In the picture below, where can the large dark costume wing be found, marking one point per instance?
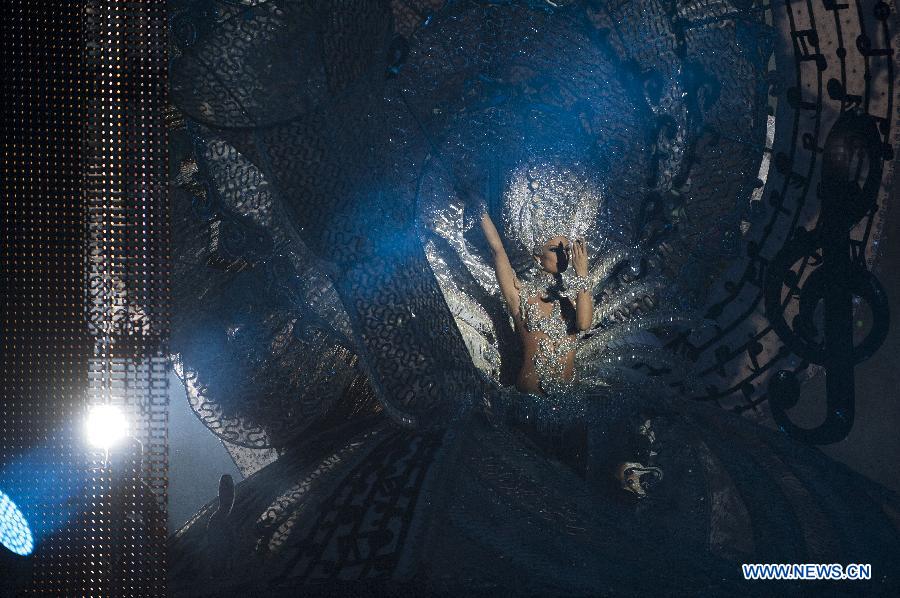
(263, 344)
(288, 234)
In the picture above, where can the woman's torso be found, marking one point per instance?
(546, 327)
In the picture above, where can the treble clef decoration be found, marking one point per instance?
(853, 159)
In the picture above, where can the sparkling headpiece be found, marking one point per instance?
(546, 200)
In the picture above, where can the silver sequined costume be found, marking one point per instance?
(549, 359)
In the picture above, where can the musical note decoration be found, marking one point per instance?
(839, 274)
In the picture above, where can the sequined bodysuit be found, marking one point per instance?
(550, 358)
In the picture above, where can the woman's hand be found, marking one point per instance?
(473, 207)
(584, 305)
(579, 257)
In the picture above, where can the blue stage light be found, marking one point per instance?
(14, 532)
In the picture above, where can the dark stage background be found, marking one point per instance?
(86, 282)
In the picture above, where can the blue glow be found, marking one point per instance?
(14, 532)
(47, 487)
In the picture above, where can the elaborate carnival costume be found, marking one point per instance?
(563, 201)
(535, 211)
(338, 326)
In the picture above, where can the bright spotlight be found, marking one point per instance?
(106, 426)
(14, 532)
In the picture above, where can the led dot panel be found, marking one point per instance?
(85, 265)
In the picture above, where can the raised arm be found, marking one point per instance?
(584, 302)
(506, 276)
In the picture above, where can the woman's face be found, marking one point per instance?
(555, 255)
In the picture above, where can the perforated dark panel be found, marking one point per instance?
(85, 279)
